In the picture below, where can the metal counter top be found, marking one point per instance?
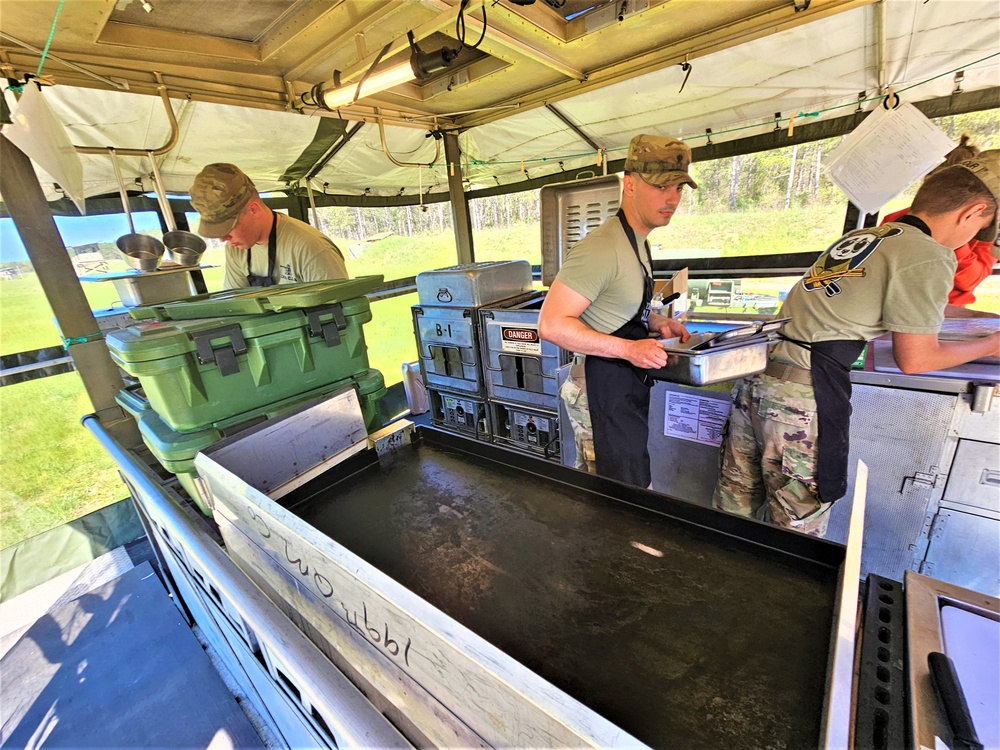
(955, 380)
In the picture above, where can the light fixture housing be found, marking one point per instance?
(384, 79)
(425, 64)
(421, 66)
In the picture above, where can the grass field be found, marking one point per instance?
(52, 471)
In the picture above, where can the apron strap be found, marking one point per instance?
(647, 276)
(915, 222)
(272, 248)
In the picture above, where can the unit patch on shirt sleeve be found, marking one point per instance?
(844, 259)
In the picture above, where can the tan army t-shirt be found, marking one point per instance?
(303, 254)
(603, 268)
(869, 282)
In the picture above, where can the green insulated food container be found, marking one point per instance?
(199, 372)
(176, 450)
(258, 300)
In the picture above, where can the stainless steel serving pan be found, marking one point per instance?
(717, 365)
(742, 334)
(708, 358)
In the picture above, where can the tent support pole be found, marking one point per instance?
(461, 218)
(26, 203)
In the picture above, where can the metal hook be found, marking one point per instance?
(687, 68)
(893, 97)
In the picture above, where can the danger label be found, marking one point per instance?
(520, 340)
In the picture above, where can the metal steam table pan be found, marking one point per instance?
(716, 365)
(708, 358)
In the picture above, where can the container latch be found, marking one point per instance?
(224, 354)
(327, 321)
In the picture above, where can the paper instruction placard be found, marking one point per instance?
(885, 154)
(695, 418)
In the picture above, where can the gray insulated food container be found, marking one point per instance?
(519, 367)
(569, 211)
(474, 284)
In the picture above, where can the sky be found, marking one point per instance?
(76, 230)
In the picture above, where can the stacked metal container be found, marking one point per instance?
(446, 324)
(520, 372)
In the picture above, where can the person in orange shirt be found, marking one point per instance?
(975, 259)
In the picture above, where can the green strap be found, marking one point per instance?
(52, 33)
(82, 339)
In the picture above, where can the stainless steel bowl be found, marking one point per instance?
(141, 251)
(183, 248)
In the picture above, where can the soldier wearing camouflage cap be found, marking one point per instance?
(599, 308)
(262, 247)
(785, 454)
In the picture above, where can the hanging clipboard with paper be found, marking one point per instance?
(885, 154)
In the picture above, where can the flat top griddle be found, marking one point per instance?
(679, 634)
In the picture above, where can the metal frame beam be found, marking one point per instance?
(572, 126)
(24, 199)
(956, 104)
(461, 218)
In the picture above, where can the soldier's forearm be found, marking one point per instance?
(574, 335)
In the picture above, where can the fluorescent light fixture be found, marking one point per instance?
(384, 79)
(420, 66)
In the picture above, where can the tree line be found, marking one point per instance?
(359, 224)
(791, 177)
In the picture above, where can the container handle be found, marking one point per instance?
(224, 355)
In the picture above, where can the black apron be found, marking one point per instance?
(272, 254)
(618, 394)
(830, 364)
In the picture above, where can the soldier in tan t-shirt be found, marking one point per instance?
(599, 306)
(263, 247)
(784, 457)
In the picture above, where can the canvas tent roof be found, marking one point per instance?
(812, 67)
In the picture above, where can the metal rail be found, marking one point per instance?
(21, 369)
(171, 141)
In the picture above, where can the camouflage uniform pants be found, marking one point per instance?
(574, 395)
(769, 456)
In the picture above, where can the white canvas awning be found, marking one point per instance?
(812, 71)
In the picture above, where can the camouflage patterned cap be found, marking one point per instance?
(219, 193)
(986, 167)
(660, 161)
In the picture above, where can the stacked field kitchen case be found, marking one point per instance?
(520, 371)
(446, 324)
(215, 364)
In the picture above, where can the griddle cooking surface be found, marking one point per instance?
(679, 635)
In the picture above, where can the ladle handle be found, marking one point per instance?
(121, 189)
(161, 195)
